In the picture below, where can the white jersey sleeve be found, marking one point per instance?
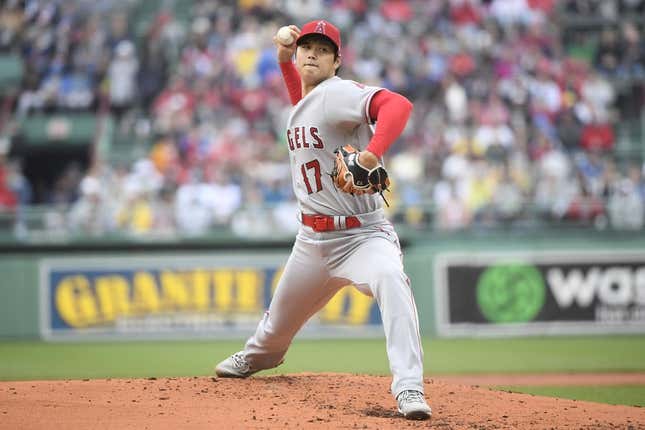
(346, 103)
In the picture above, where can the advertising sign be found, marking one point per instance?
(540, 293)
(219, 296)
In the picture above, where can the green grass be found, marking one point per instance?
(38, 360)
(632, 395)
(537, 355)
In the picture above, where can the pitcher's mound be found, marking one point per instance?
(303, 401)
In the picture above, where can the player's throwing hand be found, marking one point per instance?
(285, 52)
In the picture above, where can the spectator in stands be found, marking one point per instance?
(11, 24)
(625, 206)
(599, 94)
(225, 194)
(455, 99)
(597, 136)
(632, 58)
(585, 207)
(8, 199)
(163, 212)
(465, 12)
(16, 180)
(609, 52)
(119, 30)
(154, 65)
(592, 167)
(452, 213)
(138, 217)
(173, 109)
(546, 96)
(553, 188)
(569, 131)
(635, 175)
(492, 84)
(122, 74)
(65, 189)
(193, 206)
(508, 199)
(90, 214)
(512, 12)
(479, 193)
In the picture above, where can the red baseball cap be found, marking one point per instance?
(322, 27)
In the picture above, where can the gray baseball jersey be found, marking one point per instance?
(332, 114)
(321, 262)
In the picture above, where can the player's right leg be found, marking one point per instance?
(303, 289)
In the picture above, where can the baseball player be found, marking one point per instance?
(344, 238)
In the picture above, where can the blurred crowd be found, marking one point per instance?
(515, 119)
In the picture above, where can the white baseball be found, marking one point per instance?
(284, 36)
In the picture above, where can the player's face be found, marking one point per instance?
(315, 60)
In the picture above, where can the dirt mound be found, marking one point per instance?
(303, 401)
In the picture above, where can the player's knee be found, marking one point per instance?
(390, 287)
(388, 273)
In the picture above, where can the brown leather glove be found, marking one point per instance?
(350, 176)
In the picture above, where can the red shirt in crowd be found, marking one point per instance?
(8, 199)
(597, 136)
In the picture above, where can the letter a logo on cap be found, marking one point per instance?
(320, 27)
(323, 27)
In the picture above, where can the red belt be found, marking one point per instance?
(329, 222)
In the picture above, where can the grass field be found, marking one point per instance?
(37, 360)
(632, 395)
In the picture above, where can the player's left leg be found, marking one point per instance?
(376, 262)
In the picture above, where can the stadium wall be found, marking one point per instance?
(469, 285)
(516, 285)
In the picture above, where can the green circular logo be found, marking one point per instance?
(509, 293)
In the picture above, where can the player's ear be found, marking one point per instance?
(337, 62)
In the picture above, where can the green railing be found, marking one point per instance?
(45, 225)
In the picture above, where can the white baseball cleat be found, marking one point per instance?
(413, 406)
(235, 366)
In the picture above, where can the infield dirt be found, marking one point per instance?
(302, 401)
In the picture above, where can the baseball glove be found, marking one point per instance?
(352, 177)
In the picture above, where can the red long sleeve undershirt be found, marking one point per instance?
(390, 110)
(292, 80)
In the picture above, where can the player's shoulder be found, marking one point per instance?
(345, 85)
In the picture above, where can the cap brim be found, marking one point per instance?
(307, 36)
